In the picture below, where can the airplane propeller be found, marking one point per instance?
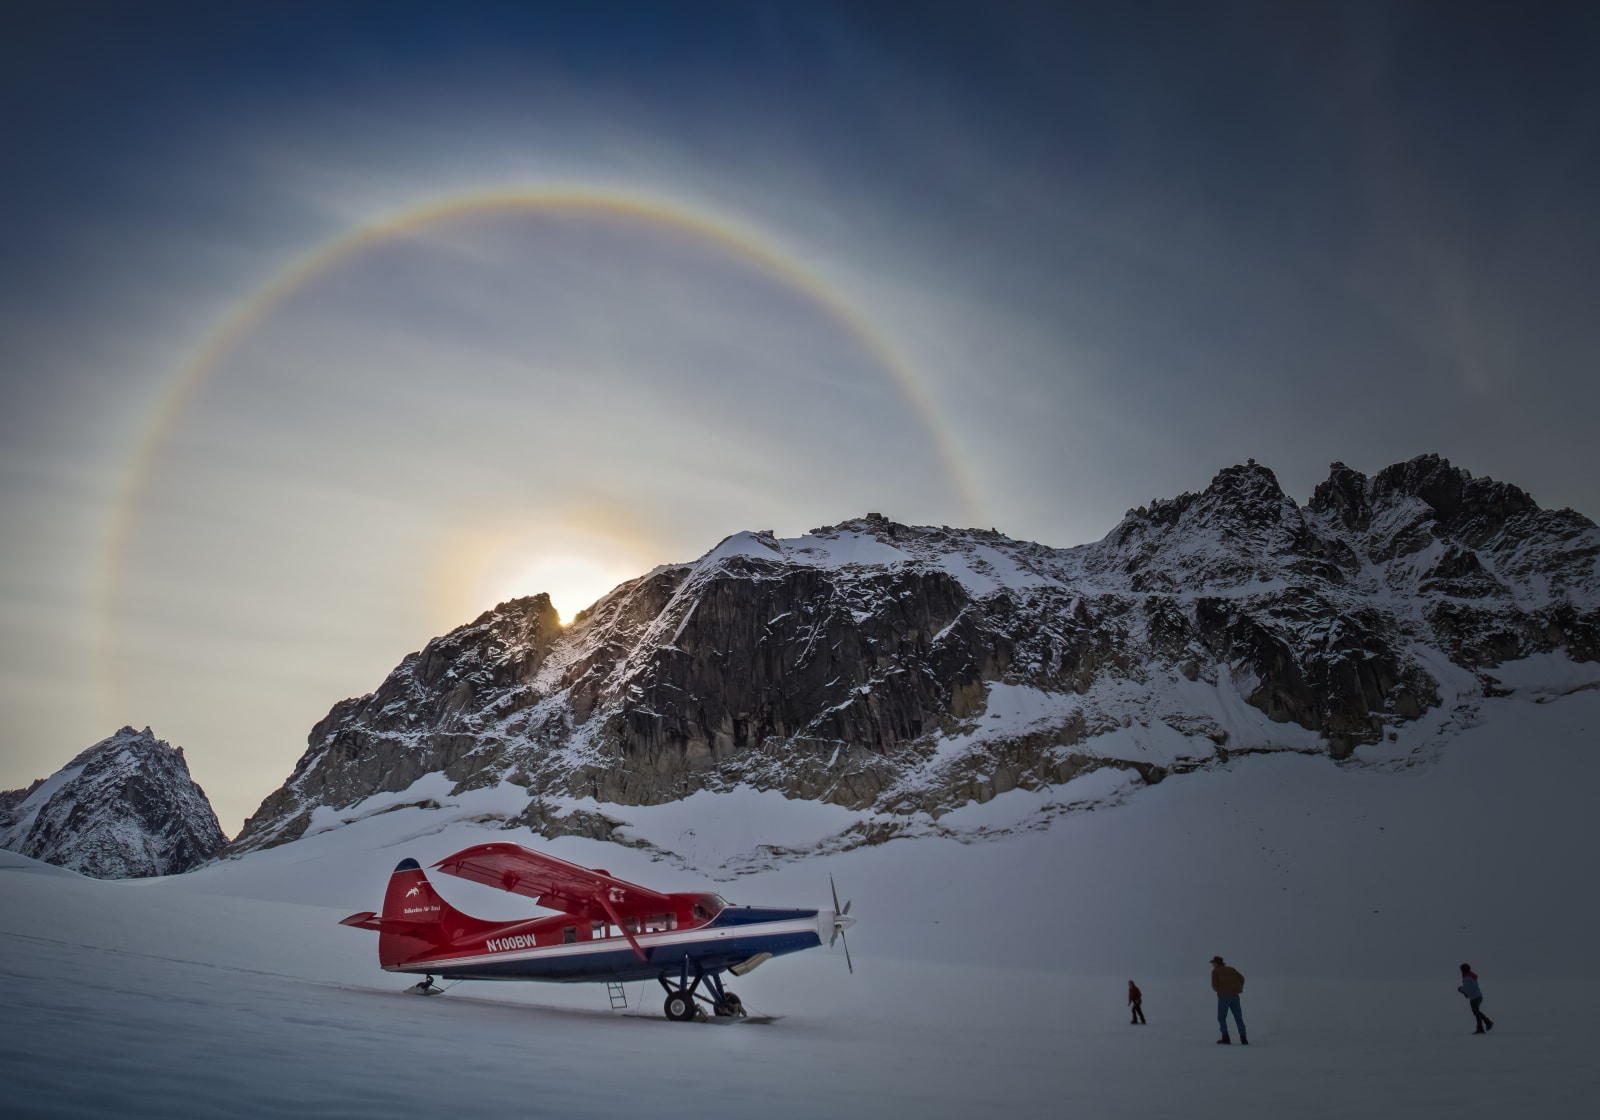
(841, 922)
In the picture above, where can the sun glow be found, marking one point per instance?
(572, 581)
(575, 560)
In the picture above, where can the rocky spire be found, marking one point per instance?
(125, 808)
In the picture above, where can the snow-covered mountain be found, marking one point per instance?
(902, 672)
(125, 808)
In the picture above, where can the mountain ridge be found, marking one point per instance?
(912, 669)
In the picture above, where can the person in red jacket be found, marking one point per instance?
(1228, 983)
(1135, 998)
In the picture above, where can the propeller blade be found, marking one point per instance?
(841, 918)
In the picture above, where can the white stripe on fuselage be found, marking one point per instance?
(708, 935)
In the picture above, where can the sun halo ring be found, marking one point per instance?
(741, 243)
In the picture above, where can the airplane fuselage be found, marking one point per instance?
(735, 935)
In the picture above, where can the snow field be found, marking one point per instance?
(990, 977)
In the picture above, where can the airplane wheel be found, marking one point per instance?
(680, 1006)
(734, 1005)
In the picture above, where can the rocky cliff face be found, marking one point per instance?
(913, 669)
(125, 808)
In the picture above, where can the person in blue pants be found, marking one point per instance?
(1228, 983)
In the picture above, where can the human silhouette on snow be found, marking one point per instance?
(1469, 988)
(1228, 983)
(1135, 998)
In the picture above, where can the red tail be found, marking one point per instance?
(415, 922)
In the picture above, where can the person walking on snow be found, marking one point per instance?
(1135, 999)
(1469, 988)
(1228, 983)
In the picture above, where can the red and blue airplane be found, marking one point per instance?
(606, 930)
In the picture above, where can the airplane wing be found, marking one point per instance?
(553, 883)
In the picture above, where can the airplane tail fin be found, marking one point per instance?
(415, 918)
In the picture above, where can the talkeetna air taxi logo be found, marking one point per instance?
(418, 909)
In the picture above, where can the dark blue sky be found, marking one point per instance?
(1118, 245)
(1244, 194)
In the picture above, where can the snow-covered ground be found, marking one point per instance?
(990, 976)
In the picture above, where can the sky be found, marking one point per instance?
(324, 328)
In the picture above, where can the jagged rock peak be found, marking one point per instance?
(125, 808)
(1451, 493)
(1454, 495)
(1247, 491)
(1345, 495)
(1233, 532)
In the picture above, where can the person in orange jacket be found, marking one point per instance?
(1135, 998)
(1228, 983)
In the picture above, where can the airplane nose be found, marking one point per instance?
(831, 923)
(838, 920)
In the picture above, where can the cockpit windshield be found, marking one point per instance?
(708, 906)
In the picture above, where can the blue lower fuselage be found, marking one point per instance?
(734, 936)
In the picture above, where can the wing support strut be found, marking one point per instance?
(611, 912)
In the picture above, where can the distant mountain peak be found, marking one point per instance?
(125, 808)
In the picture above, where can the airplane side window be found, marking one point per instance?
(700, 913)
(633, 925)
(569, 934)
(597, 929)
